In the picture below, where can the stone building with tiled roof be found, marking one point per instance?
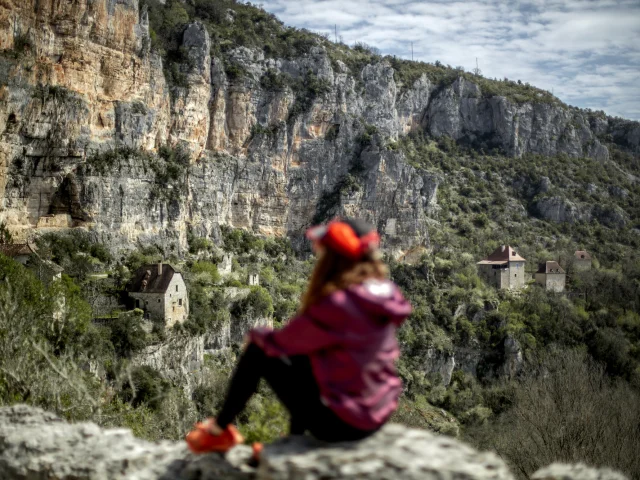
(503, 269)
(551, 276)
(581, 261)
(26, 254)
(20, 252)
(159, 290)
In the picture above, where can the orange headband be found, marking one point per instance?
(341, 238)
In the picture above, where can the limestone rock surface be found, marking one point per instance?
(35, 444)
(395, 452)
(259, 157)
(560, 210)
(38, 445)
(562, 471)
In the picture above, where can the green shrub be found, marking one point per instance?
(198, 244)
(5, 235)
(170, 168)
(273, 80)
(208, 270)
(235, 72)
(144, 386)
(481, 220)
(240, 241)
(257, 304)
(75, 251)
(285, 310)
(127, 335)
(366, 137)
(107, 162)
(266, 420)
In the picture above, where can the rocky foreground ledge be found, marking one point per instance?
(35, 444)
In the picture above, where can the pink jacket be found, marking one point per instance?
(350, 339)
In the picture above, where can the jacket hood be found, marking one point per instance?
(382, 299)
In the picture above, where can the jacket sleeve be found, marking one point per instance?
(317, 329)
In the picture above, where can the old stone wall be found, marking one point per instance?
(176, 301)
(152, 303)
(495, 275)
(504, 278)
(517, 276)
(554, 282)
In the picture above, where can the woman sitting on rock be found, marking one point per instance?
(332, 366)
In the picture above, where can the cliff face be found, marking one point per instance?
(83, 95)
(55, 449)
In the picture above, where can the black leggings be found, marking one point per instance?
(293, 382)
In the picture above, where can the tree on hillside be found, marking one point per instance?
(127, 335)
(41, 346)
(567, 410)
(5, 235)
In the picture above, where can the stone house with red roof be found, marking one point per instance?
(503, 269)
(159, 290)
(551, 276)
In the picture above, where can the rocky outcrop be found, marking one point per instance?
(558, 209)
(39, 445)
(503, 362)
(562, 471)
(177, 358)
(440, 363)
(463, 113)
(272, 143)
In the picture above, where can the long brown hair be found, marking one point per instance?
(336, 272)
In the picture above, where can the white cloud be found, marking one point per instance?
(586, 51)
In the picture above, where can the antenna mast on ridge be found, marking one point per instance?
(476, 71)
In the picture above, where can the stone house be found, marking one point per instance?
(26, 254)
(503, 269)
(551, 276)
(581, 261)
(20, 252)
(159, 290)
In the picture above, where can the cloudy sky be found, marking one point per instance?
(586, 51)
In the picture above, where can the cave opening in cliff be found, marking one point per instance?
(66, 201)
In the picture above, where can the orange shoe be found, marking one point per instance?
(257, 448)
(200, 440)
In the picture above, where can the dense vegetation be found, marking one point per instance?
(589, 337)
(95, 370)
(486, 199)
(598, 329)
(88, 370)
